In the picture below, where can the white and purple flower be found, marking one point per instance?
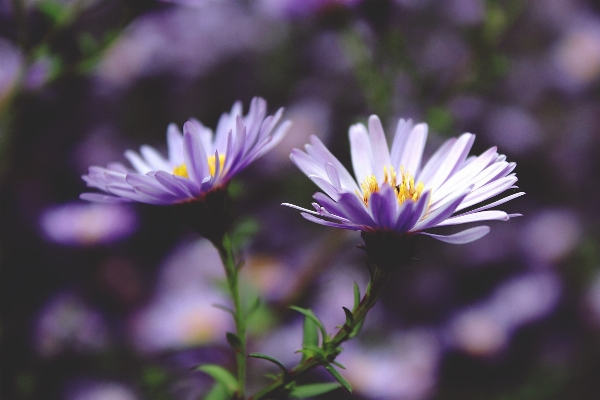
(198, 161)
(393, 191)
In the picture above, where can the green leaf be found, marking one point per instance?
(221, 375)
(218, 392)
(254, 306)
(338, 377)
(313, 317)
(53, 10)
(338, 364)
(269, 358)
(356, 297)
(311, 335)
(234, 341)
(349, 317)
(311, 351)
(356, 329)
(314, 389)
(224, 308)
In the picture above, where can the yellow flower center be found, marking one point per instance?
(404, 185)
(212, 164)
(181, 170)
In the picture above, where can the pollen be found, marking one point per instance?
(212, 164)
(403, 184)
(181, 170)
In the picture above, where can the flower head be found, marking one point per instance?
(394, 193)
(198, 162)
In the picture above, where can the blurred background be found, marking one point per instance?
(115, 302)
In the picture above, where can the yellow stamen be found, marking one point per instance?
(181, 170)
(212, 164)
(404, 185)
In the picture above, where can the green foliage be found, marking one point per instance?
(220, 375)
(338, 377)
(271, 359)
(314, 389)
(218, 392)
(308, 313)
(234, 341)
(356, 297)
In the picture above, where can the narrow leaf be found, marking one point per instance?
(269, 358)
(349, 318)
(311, 335)
(218, 392)
(224, 308)
(314, 389)
(338, 377)
(313, 317)
(221, 375)
(255, 305)
(234, 341)
(356, 297)
(338, 364)
(356, 329)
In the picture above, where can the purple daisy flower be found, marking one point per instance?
(198, 161)
(394, 193)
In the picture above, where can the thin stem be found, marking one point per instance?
(231, 272)
(331, 347)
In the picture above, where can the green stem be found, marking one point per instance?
(231, 272)
(331, 347)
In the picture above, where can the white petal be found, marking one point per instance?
(360, 151)
(175, 144)
(487, 192)
(493, 215)
(455, 157)
(403, 129)
(194, 156)
(154, 159)
(413, 150)
(497, 203)
(435, 161)
(137, 162)
(464, 177)
(466, 236)
(379, 147)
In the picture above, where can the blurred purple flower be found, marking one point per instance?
(180, 319)
(486, 328)
(402, 368)
(301, 8)
(395, 194)
(11, 61)
(577, 55)
(79, 224)
(98, 390)
(199, 161)
(66, 322)
(187, 39)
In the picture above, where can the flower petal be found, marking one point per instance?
(453, 158)
(476, 217)
(413, 150)
(194, 155)
(379, 147)
(154, 159)
(137, 162)
(103, 198)
(383, 207)
(466, 236)
(442, 213)
(360, 151)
